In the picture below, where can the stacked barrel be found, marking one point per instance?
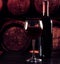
(13, 14)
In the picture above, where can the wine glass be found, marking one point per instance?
(34, 30)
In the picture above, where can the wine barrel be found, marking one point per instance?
(53, 5)
(56, 35)
(18, 7)
(1, 4)
(14, 37)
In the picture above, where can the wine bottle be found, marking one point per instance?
(46, 38)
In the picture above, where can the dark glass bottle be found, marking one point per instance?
(47, 32)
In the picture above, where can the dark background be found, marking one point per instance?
(32, 13)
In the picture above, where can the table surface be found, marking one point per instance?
(19, 58)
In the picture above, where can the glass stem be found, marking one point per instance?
(33, 46)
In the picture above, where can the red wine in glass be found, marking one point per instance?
(34, 30)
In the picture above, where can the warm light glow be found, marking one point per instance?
(26, 25)
(35, 51)
(41, 24)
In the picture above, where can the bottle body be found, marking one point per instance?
(46, 38)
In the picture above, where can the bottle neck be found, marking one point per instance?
(45, 8)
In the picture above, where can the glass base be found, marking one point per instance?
(34, 60)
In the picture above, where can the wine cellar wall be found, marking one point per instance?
(14, 12)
